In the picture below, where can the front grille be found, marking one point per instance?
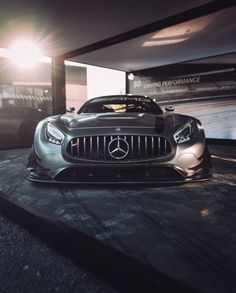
(119, 147)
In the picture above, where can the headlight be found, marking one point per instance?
(184, 133)
(53, 134)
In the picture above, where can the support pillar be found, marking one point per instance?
(127, 81)
(58, 86)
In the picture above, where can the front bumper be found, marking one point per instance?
(154, 173)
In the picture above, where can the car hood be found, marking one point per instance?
(126, 120)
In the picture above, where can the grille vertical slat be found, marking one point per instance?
(140, 147)
(77, 147)
(104, 148)
(152, 138)
(84, 143)
(145, 146)
(165, 143)
(98, 148)
(132, 145)
(91, 147)
(71, 147)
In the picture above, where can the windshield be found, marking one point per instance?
(121, 105)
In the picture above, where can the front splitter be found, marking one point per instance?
(38, 179)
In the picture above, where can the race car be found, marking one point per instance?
(119, 139)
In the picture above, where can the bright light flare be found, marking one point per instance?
(25, 54)
(131, 76)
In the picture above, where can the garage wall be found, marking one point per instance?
(26, 98)
(26, 95)
(205, 91)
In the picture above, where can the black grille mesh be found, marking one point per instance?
(139, 147)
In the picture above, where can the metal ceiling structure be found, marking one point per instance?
(124, 35)
(199, 33)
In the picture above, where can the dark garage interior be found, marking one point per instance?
(171, 237)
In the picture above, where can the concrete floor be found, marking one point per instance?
(174, 238)
(31, 266)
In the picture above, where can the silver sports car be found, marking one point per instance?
(119, 139)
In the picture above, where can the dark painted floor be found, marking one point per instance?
(184, 233)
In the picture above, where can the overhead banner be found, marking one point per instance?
(166, 83)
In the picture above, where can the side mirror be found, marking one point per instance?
(169, 108)
(70, 110)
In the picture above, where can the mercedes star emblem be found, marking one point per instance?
(118, 148)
